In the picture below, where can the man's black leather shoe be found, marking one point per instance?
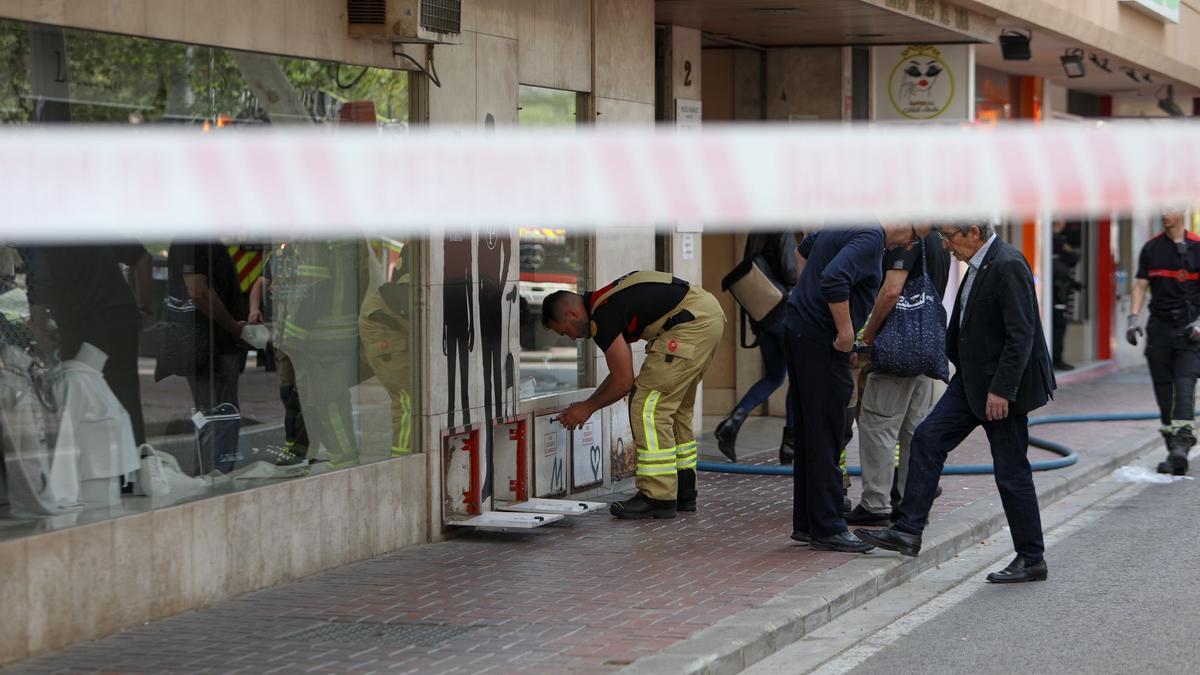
(892, 540)
(799, 536)
(1018, 570)
(640, 506)
(842, 541)
(688, 505)
(861, 516)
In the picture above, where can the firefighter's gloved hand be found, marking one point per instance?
(1133, 331)
(1192, 332)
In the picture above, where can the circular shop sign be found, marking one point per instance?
(921, 84)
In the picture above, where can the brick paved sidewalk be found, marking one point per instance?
(588, 595)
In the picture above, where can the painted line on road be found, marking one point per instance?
(898, 629)
(846, 642)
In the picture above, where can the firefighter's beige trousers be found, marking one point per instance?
(664, 394)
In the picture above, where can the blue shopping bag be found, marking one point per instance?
(913, 340)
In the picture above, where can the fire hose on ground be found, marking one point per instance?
(1067, 456)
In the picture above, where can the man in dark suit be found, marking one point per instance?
(995, 342)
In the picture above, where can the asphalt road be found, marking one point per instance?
(1123, 597)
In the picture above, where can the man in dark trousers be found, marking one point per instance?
(995, 341)
(841, 270)
(1169, 268)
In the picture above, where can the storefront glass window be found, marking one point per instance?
(993, 96)
(551, 259)
(234, 364)
(50, 74)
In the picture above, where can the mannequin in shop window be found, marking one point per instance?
(1065, 258)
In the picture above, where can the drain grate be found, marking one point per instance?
(391, 634)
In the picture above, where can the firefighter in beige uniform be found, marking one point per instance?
(682, 325)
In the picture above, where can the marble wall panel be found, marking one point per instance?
(15, 599)
(555, 44)
(625, 50)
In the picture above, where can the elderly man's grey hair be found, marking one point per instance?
(985, 228)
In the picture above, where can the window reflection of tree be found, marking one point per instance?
(116, 78)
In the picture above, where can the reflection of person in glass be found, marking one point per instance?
(316, 305)
(206, 274)
(385, 326)
(90, 301)
(295, 434)
(458, 318)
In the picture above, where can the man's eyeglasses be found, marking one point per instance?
(947, 237)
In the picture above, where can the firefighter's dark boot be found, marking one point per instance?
(687, 490)
(1177, 450)
(1168, 436)
(640, 506)
(727, 433)
(787, 447)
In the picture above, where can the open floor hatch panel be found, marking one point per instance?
(500, 498)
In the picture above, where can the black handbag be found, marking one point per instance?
(184, 343)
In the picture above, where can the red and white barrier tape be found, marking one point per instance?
(89, 183)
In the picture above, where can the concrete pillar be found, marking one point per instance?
(683, 54)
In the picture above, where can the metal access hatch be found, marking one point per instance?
(501, 520)
(566, 507)
(508, 505)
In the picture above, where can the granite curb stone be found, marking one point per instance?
(741, 640)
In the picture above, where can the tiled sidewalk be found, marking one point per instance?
(589, 595)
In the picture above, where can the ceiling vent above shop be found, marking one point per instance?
(427, 21)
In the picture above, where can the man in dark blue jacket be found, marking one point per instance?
(841, 270)
(996, 343)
